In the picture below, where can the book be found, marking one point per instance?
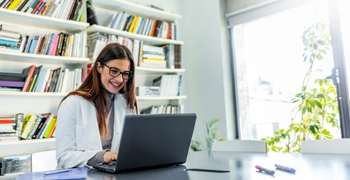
(91, 16)
(12, 84)
(4, 76)
(27, 74)
(38, 120)
(19, 123)
(49, 127)
(28, 124)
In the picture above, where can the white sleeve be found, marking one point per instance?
(67, 154)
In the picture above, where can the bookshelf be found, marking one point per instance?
(33, 102)
(26, 19)
(37, 58)
(159, 70)
(38, 103)
(13, 148)
(148, 39)
(122, 5)
(161, 98)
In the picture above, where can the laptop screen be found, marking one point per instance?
(153, 140)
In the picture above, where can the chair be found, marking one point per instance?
(332, 146)
(43, 161)
(240, 146)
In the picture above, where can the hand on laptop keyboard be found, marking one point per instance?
(109, 156)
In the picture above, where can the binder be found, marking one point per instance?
(74, 173)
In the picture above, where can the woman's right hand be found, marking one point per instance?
(109, 156)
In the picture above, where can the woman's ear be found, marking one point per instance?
(99, 68)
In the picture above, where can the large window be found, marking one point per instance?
(270, 70)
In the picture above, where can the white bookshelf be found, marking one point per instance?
(161, 98)
(31, 94)
(133, 8)
(26, 19)
(52, 94)
(24, 147)
(148, 39)
(158, 70)
(38, 58)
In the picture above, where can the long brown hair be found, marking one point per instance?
(92, 90)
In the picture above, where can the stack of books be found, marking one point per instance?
(152, 56)
(169, 85)
(11, 81)
(64, 9)
(147, 91)
(7, 129)
(141, 25)
(10, 37)
(163, 109)
(15, 164)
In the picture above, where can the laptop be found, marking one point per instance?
(151, 141)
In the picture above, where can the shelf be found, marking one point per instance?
(33, 20)
(31, 94)
(25, 57)
(149, 39)
(50, 94)
(158, 70)
(22, 147)
(133, 8)
(161, 98)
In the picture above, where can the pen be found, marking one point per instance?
(271, 172)
(284, 168)
(57, 171)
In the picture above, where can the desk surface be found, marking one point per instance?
(242, 167)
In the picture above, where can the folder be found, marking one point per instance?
(74, 173)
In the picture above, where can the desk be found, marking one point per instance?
(242, 167)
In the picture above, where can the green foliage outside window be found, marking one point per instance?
(316, 106)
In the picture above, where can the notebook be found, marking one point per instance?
(151, 141)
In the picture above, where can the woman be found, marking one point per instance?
(90, 119)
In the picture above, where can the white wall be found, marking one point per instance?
(205, 56)
(205, 53)
(236, 5)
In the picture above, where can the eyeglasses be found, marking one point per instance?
(115, 72)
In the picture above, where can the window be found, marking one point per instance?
(269, 67)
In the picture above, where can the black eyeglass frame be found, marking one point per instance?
(126, 72)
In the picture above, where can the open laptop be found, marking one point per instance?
(152, 140)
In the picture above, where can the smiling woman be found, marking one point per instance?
(90, 119)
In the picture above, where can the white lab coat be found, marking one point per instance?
(77, 133)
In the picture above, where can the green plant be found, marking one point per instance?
(316, 106)
(211, 135)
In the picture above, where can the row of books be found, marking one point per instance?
(163, 109)
(15, 164)
(61, 44)
(140, 25)
(169, 85)
(42, 79)
(27, 127)
(97, 41)
(64, 9)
